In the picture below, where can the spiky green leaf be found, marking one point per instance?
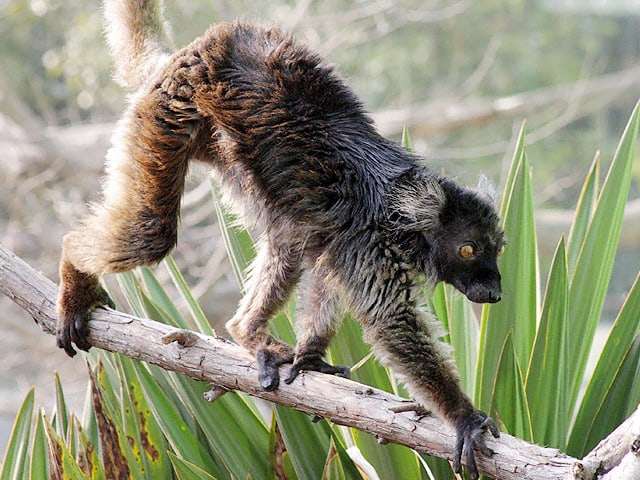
(608, 397)
(308, 443)
(584, 212)
(458, 319)
(178, 432)
(16, 457)
(39, 467)
(509, 400)
(200, 319)
(236, 239)
(516, 314)
(550, 413)
(589, 280)
(188, 471)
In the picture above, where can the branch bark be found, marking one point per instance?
(619, 454)
(230, 367)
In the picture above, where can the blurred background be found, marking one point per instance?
(461, 75)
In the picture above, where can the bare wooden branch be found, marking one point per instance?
(229, 367)
(618, 455)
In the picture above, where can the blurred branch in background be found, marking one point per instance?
(446, 115)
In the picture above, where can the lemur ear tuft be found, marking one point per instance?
(486, 189)
(416, 198)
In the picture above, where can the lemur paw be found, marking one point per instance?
(74, 331)
(74, 315)
(470, 435)
(316, 364)
(269, 362)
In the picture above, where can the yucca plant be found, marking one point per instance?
(524, 361)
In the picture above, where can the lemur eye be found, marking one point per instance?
(467, 250)
(501, 251)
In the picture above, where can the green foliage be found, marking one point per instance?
(515, 315)
(155, 424)
(16, 461)
(549, 357)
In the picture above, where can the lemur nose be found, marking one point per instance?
(495, 297)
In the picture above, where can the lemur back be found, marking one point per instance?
(345, 215)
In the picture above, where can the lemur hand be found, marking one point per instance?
(470, 435)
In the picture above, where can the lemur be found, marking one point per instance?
(350, 217)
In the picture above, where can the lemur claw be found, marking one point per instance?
(79, 331)
(63, 340)
(316, 364)
(268, 374)
(470, 436)
(73, 327)
(74, 331)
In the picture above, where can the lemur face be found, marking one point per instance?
(467, 245)
(467, 260)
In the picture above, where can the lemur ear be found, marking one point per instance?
(417, 199)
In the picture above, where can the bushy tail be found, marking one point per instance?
(139, 38)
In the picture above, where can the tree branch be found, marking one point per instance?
(230, 367)
(619, 453)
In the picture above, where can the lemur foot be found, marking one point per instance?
(74, 312)
(470, 435)
(73, 331)
(269, 362)
(316, 364)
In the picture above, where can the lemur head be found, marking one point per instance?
(467, 243)
(456, 233)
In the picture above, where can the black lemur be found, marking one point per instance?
(347, 215)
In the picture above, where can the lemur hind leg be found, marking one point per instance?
(136, 221)
(275, 272)
(316, 325)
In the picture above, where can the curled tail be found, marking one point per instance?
(139, 38)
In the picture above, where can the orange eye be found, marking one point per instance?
(501, 251)
(467, 251)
